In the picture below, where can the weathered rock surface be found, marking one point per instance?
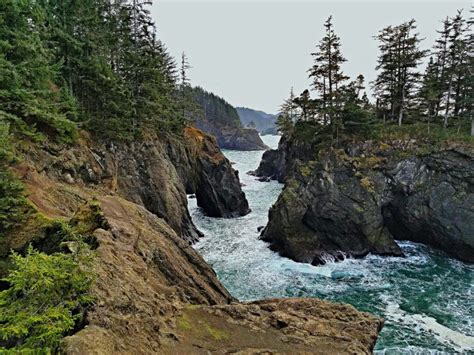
(153, 292)
(156, 174)
(361, 200)
(234, 138)
(217, 117)
(156, 295)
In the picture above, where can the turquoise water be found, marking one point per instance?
(426, 298)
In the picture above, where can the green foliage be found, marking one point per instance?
(29, 96)
(46, 298)
(13, 205)
(215, 109)
(284, 124)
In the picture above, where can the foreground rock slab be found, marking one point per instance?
(155, 294)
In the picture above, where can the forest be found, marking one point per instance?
(438, 98)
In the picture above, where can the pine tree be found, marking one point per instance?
(457, 66)
(356, 113)
(440, 51)
(288, 115)
(305, 105)
(398, 77)
(327, 76)
(429, 92)
(29, 95)
(289, 107)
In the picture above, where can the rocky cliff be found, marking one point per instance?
(359, 200)
(264, 123)
(153, 293)
(220, 119)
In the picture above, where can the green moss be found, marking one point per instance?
(367, 184)
(184, 322)
(217, 334)
(89, 218)
(306, 169)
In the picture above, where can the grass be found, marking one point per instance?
(217, 334)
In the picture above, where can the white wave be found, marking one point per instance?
(460, 342)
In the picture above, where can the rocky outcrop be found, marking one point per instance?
(432, 202)
(273, 163)
(264, 123)
(233, 138)
(155, 294)
(156, 174)
(220, 119)
(359, 201)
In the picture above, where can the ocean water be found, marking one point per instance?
(426, 298)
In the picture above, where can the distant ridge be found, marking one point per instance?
(263, 122)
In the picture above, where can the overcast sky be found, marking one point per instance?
(251, 53)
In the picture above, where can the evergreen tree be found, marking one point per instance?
(356, 113)
(440, 51)
(29, 95)
(289, 107)
(429, 92)
(288, 115)
(397, 81)
(457, 66)
(327, 76)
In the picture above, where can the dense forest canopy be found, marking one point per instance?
(95, 64)
(215, 109)
(442, 95)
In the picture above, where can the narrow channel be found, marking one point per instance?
(426, 298)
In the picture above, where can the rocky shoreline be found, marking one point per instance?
(154, 293)
(359, 200)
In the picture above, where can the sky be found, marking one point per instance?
(252, 52)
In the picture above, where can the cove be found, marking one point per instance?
(425, 298)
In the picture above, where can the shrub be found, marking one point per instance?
(47, 298)
(13, 205)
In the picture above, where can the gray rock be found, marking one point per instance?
(335, 208)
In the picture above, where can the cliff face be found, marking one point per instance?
(156, 174)
(221, 120)
(156, 295)
(263, 122)
(361, 200)
(153, 292)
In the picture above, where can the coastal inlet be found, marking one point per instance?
(425, 297)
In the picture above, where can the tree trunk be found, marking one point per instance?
(402, 103)
(448, 99)
(472, 126)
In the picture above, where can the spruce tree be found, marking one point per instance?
(397, 80)
(429, 92)
(327, 76)
(29, 94)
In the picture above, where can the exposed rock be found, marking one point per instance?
(153, 292)
(264, 123)
(359, 202)
(156, 174)
(233, 138)
(157, 295)
(432, 202)
(221, 120)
